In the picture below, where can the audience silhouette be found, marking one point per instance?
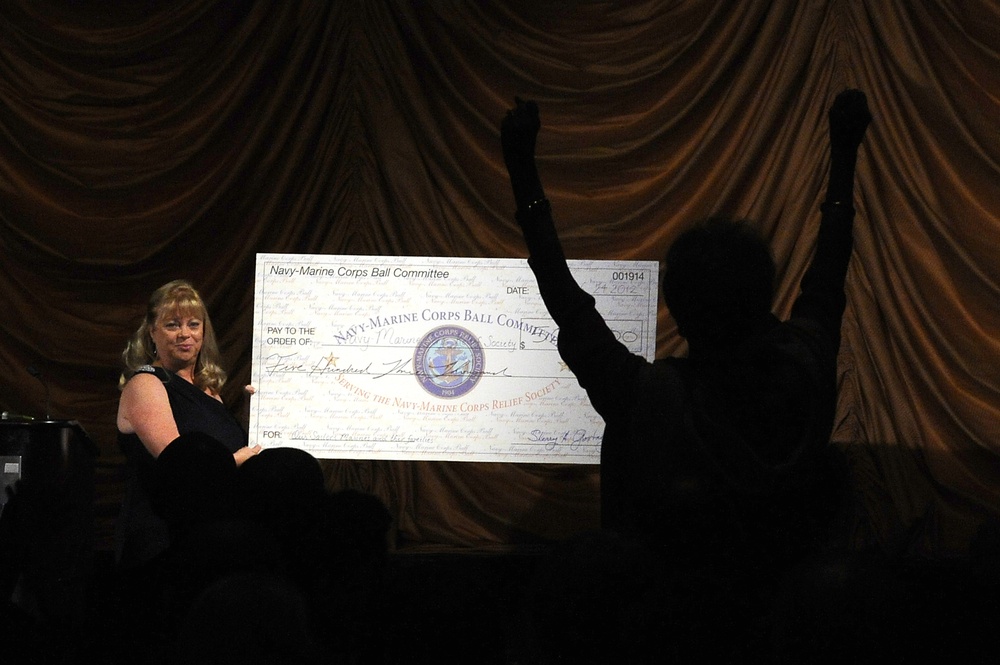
(720, 460)
(262, 558)
(251, 619)
(596, 598)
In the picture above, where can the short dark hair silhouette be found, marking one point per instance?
(194, 481)
(282, 487)
(719, 273)
(248, 618)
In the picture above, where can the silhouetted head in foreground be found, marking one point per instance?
(719, 280)
(194, 482)
(247, 618)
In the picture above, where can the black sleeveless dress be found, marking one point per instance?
(140, 534)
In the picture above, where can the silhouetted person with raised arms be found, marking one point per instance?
(710, 454)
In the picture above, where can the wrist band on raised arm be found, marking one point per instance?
(833, 205)
(534, 209)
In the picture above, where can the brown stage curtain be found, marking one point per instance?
(144, 141)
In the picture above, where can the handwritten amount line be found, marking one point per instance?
(539, 346)
(333, 372)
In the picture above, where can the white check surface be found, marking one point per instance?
(410, 358)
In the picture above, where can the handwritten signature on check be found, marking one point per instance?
(575, 439)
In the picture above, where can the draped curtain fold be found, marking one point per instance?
(141, 142)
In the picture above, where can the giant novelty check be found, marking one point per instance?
(404, 358)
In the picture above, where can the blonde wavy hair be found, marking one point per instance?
(177, 298)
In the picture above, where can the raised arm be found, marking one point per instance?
(601, 364)
(849, 119)
(822, 300)
(518, 135)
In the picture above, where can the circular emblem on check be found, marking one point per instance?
(448, 362)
